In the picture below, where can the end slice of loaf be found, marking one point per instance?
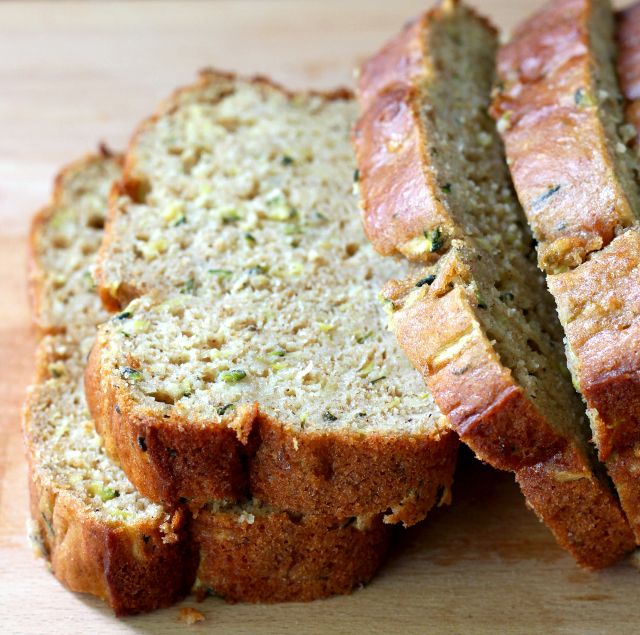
(99, 534)
(259, 361)
(473, 314)
(597, 292)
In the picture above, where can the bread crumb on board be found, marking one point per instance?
(189, 615)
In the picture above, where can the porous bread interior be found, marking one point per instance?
(513, 306)
(610, 102)
(250, 220)
(67, 450)
(65, 249)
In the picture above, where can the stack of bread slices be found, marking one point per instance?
(244, 381)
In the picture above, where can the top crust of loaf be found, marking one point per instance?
(560, 112)
(494, 362)
(259, 361)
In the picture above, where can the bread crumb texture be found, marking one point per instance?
(249, 230)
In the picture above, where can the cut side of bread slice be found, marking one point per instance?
(580, 195)
(258, 362)
(473, 314)
(99, 534)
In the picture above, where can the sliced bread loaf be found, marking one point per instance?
(260, 362)
(99, 534)
(560, 112)
(473, 314)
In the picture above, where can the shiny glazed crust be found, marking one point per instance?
(338, 474)
(479, 395)
(294, 556)
(495, 418)
(547, 106)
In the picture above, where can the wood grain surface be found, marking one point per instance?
(73, 74)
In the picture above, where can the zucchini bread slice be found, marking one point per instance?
(557, 81)
(473, 314)
(258, 361)
(99, 534)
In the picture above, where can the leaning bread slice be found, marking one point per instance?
(259, 361)
(473, 314)
(99, 534)
(581, 199)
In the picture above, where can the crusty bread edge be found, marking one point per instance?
(337, 473)
(595, 541)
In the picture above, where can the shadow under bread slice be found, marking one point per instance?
(257, 360)
(473, 314)
(99, 534)
(582, 200)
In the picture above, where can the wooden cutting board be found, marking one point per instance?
(72, 74)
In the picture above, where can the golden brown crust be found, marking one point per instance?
(599, 300)
(132, 570)
(494, 417)
(388, 141)
(285, 557)
(338, 473)
(601, 535)
(629, 62)
(599, 306)
(486, 406)
(398, 209)
(547, 110)
(164, 460)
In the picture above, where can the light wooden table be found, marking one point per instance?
(72, 74)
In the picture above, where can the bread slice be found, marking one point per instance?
(99, 534)
(582, 201)
(261, 363)
(473, 314)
